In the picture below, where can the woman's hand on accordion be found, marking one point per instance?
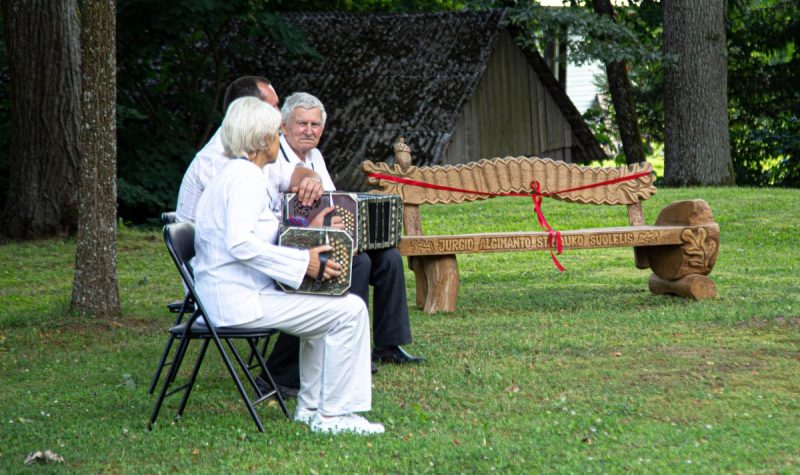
(332, 268)
(318, 221)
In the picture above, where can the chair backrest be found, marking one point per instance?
(167, 217)
(179, 238)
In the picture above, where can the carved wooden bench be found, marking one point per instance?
(680, 248)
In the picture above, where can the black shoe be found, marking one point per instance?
(394, 354)
(286, 391)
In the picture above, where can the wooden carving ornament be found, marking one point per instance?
(513, 175)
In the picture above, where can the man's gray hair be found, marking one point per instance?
(304, 100)
(248, 125)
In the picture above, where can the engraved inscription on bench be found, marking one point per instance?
(693, 238)
(511, 243)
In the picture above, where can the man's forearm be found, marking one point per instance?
(301, 173)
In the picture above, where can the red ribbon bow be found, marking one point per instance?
(552, 235)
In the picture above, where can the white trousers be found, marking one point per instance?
(335, 373)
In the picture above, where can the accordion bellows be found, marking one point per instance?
(374, 221)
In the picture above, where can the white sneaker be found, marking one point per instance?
(352, 423)
(304, 415)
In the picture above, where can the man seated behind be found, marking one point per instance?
(303, 124)
(211, 157)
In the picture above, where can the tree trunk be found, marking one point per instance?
(44, 67)
(697, 142)
(620, 86)
(95, 289)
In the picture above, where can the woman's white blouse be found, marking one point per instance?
(236, 258)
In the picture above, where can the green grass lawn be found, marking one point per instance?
(537, 371)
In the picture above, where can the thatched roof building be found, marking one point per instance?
(454, 85)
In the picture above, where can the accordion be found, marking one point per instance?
(374, 221)
(306, 238)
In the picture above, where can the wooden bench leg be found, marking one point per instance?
(417, 265)
(693, 286)
(437, 282)
(683, 270)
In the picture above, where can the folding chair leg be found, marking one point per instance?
(162, 362)
(253, 344)
(264, 346)
(171, 376)
(263, 364)
(173, 370)
(238, 381)
(263, 351)
(192, 378)
(161, 365)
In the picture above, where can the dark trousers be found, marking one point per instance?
(383, 270)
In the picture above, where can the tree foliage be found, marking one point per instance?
(763, 79)
(620, 87)
(172, 74)
(592, 37)
(763, 73)
(618, 41)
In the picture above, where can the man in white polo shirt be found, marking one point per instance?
(211, 157)
(303, 123)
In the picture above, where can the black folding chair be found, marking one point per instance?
(179, 238)
(181, 307)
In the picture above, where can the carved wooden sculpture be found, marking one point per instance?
(680, 249)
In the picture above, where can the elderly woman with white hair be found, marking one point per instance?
(237, 264)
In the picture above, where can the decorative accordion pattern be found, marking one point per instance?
(306, 238)
(374, 221)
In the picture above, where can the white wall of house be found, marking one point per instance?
(581, 86)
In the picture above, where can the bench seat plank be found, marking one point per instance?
(625, 236)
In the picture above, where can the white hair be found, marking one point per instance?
(249, 125)
(304, 100)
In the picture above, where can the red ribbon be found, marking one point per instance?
(552, 235)
(536, 195)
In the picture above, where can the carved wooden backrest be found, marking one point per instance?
(512, 175)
